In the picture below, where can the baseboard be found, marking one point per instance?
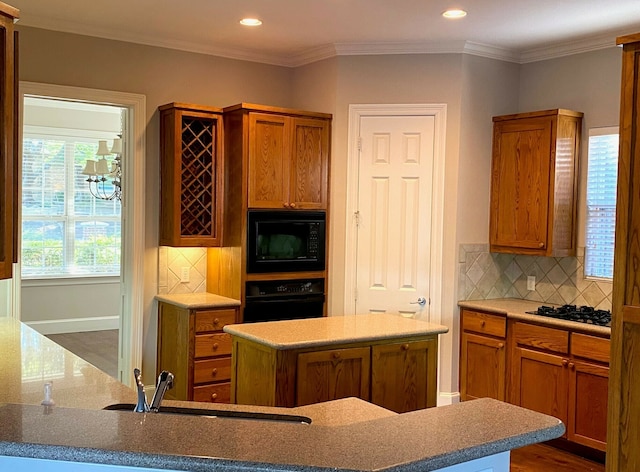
(75, 325)
(448, 398)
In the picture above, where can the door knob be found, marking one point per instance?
(421, 301)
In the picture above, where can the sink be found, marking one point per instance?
(244, 415)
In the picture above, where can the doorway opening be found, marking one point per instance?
(129, 276)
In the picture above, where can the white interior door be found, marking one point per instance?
(394, 214)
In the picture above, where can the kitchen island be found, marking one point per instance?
(348, 434)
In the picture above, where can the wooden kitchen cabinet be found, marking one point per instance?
(398, 375)
(193, 347)
(335, 373)
(9, 164)
(562, 374)
(191, 175)
(483, 355)
(371, 370)
(534, 183)
(286, 155)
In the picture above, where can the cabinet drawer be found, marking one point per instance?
(590, 347)
(485, 323)
(541, 337)
(212, 370)
(217, 393)
(208, 345)
(214, 320)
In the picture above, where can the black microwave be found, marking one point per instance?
(285, 241)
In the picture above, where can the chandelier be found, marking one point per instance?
(99, 172)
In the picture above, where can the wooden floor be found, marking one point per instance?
(99, 348)
(543, 458)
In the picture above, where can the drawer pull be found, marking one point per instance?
(214, 372)
(216, 321)
(500, 345)
(405, 347)
(215, 346)
(572, 365)
(214, 396)
(565, 362)
(483, 323)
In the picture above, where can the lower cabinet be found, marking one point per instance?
(399, 375)
(558, 372)
(193, 347)
(563, 374)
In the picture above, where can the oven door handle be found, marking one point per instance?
(286, 298)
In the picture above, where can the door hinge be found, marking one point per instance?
(356, 217)
(359, 144)
(355, 294)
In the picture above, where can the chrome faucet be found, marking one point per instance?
(164, 383)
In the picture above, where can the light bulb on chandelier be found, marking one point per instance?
(99, 173)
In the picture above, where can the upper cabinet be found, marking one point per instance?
(192, 175)
(8, 141)
(286, 155)
(534, 183)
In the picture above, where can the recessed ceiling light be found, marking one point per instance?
(250, 22)
(454, 13)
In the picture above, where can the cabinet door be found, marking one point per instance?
(520, 183)
(482, 367)
(540, 382)
(329, 375)
(268, 161)
(309, 166)
(588, 390)
(400, 375)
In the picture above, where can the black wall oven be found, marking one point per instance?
(273, 300)
(285, 241)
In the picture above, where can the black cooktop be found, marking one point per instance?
(581, 314)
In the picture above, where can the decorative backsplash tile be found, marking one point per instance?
(559, 280)
(172, 261)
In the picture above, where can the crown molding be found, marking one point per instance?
(309, 56)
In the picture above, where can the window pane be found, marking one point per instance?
(97, 247)
(43, 177)
(42, 247)
(601, 205)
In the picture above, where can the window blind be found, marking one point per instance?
(65, 230)
(602, 177)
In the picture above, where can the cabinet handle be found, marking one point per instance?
(483, 323)
(216, 321)
(214, 372)
(214, 396)
(572, 365)
(215, 346)
(405, 347)
(540, 245)
(565, 362)
(292, 205)
(336, 355)
(285, 204)
(500, 345)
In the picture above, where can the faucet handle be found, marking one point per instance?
(142, 406)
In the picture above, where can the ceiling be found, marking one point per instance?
(295, 32)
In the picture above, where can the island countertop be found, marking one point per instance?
(312, 332)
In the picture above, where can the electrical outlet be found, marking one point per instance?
(531, 282)
(184, 275)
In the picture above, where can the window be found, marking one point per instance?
(66, 232)
(601, 202)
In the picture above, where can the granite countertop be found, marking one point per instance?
(516, 308)
(347, 434)
(312, 332)
(198, 300)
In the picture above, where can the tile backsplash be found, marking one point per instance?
(559, 280)
(171, 263)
